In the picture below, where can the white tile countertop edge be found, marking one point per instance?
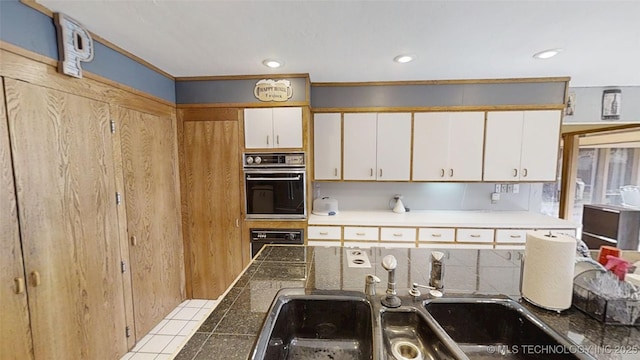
(445, 218)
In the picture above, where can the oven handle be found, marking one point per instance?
(273, 179)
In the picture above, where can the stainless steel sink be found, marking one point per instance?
(318, 325)
(498, 328)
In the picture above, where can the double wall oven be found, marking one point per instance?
(275, 189)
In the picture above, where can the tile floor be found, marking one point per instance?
(166, 339)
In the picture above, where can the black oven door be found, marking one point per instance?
(275, 194)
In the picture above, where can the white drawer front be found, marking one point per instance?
(511, 236)
(397, 234)
(474, 235)
(323, 243)
(436, 234)
(360, 233)
(323, 232)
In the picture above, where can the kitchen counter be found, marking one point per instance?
(231, 329)
(441, 218)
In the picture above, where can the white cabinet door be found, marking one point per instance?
(359, 141)
(287, 127)
(502, 146)
(393, 146)
(430, 146)
(540, 145)
(447, 146)
(466, 138)
(258, 128)
(327, 146)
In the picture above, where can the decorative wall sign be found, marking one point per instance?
(273, 90)
(74, 45)
(611, 101)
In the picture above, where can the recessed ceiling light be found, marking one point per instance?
(274, 64)
(404, 58)
(546, 54)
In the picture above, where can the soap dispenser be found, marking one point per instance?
(399, 208)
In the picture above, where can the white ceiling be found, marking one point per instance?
(357, 40)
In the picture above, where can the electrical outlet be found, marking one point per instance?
(510, 188)
(503, 188)
(495, 197)
(516, 188)
(497, 188)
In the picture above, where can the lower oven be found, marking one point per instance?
(262, 237)
(275, 186)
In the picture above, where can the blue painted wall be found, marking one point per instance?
(29, 29)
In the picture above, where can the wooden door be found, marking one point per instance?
(327, 146)
(540, 145)
(212, 168)
(502, 146)
(154, 228)
(393, 157)
(359, 146)
(258, 128)
(431, 146)
(64, 173)
(287, 127)
(15, 332)
(466, 139)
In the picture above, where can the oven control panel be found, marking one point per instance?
(253, 160)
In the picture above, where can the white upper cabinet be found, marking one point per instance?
(273, 128)
(327, 146)
(522, 145)
(377, 146)
(447, 146)
(393, 147)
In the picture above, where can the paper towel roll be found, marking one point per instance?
(547, 278)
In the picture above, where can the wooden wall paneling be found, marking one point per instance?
(19, 67)
(62, 152)
(15, 331)
(154, 227)
(184, 205)
(212, 172)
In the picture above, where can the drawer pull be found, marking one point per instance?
(335, 171)
(360, 233)
(324, 233)
(515, 236)
(524, 172)
(436, 235)
(19, 285)
(515, 172)
(475, 235)
(370, 172)
(450, 172)
(380, 172)
(441, 172)
(397, 234)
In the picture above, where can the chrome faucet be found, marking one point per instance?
(391, 300)
(436, 277)
(370, 284)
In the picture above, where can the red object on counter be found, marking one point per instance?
(617, 266)
(607, 250)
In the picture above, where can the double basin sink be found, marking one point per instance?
(344, 325)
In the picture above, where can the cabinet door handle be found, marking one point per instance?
(397, 234)
(360, 233)
(441, 172)
(35, 278)
(450, 172)
(436, 235)
(324, 233)
(515, 172)
(335, 171)
(267, 139)
(19, 285)
(515, 236)
(134, 240)
(237, 222)
(524, 172)
(475, 235)
(278, 139)
(380, 172)
(371, 172)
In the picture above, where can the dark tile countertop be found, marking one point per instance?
(231, 329)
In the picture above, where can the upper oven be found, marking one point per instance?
(275, 185)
